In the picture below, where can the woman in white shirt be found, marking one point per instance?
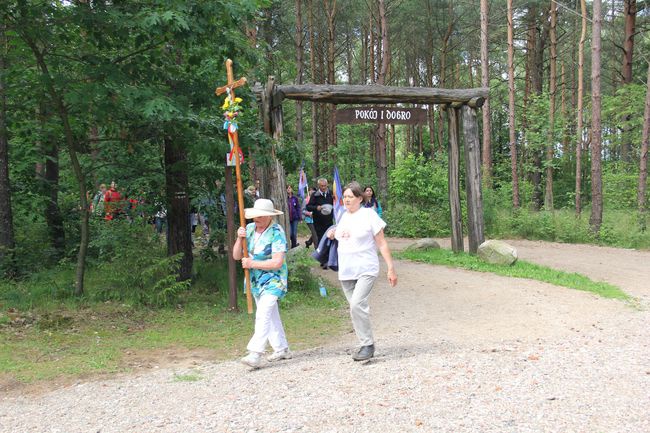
(360, 233)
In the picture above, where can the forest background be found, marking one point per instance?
(95, 91)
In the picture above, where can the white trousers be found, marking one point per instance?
(268, 326)
(357, 293)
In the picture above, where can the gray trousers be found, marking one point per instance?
(357, 293)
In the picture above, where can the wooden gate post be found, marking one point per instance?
(457, 243)
(473, 180)
(273, 183)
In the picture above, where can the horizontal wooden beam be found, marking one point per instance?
(376, 94)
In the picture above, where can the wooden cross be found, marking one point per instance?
(230, 88)
(232, 84)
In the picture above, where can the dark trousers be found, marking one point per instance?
(314, 236)
(320, 231)
(293, 235)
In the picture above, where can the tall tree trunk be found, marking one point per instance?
(550, 145)
(71, 145)
(48, 176)
(178, 215)
(300, 48)
(485, 82)
(443, 64)
(349, 57)
(566, 132)
(580, 116)
(643, 159)
(511, 107)
(53, 216)
(314, 105)
(331, 9)
(7, 240)
(539, 30)
(431, 112)
(382, 163)
(596, 218)
(630, 10)
(392, 146)
(364, 55)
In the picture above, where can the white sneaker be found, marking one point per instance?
(253, 359)
(280, 354)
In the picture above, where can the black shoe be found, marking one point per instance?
(307, 244)
(365, 353)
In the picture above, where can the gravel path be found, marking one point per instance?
(457, 352)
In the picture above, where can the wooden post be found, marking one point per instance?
(457, 243)
(273, 182)
(231, 233)
(233, 137)
(473, 179)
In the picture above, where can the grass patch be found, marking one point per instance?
(98, 337)
(520, 269)
(45, 335)
(188, 377)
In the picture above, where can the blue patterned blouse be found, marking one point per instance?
(273, 240)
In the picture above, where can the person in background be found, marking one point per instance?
(112, 202)
(267, 246)
(309, 220)
(321, 206)
(295, 215)
(370, 200)
(360, 233)
(194, 221)
(97, 205)
(250, 195)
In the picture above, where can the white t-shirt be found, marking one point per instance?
(357, 248)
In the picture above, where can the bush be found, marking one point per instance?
(420, 182)
(132, 265)
(410, 222)
(300, 264)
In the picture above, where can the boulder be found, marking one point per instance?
(424, 244)
(497, 252)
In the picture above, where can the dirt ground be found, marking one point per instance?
(464, 307)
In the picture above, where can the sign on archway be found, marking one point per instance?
(390, 115)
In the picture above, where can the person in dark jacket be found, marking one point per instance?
(321, 205)
(295, 215)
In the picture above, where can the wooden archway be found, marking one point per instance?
(461, 106)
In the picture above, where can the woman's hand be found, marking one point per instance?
(331, 234)
(241, 232)
(247, 263)
(392, 277)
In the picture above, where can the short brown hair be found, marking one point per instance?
(355, 188)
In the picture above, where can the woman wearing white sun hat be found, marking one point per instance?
(267, 245)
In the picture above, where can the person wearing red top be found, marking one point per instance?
(112, 202)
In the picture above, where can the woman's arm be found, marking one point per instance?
(275, 263)
(237, 252)
(380, 240)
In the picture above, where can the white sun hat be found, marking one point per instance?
(262, 207)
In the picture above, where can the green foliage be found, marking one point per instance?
(300, 265)
(619, 228)
(620, 186)
(420, 183)
(409, 222)
(134, 266)
(623, 119)
(420, 199)
(520, 269)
